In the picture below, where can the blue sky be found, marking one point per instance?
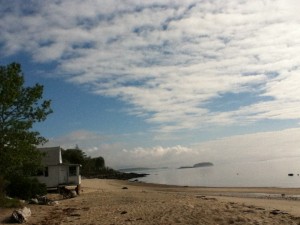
(162, 83)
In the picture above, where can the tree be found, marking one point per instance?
(99, 163)
(89, 165)
(75, 156)
(20, 108)
(93, 166)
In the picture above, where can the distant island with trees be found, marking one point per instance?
(197, 165)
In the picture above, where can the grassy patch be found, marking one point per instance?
(9, 203)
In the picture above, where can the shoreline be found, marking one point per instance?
(272, 198)
(267, 190)
(215, 186)
(111, 202)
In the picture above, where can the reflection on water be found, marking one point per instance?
(256, 174)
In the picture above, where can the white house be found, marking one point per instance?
(56, 173)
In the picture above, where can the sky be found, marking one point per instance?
(162, 83)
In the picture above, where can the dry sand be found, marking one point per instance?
(121, 202)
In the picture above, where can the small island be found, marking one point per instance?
(202, 164)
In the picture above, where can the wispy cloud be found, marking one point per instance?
(170, 60)
(82, 138)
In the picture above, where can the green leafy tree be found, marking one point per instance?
(89, 165)
(93, 166)
(99, 163)
(75, 156)
(20, 108)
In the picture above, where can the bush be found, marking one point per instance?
(4, 201)
(25, 187)
(9, 203)
(2, 186)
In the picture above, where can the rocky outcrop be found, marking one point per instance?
(118, 175)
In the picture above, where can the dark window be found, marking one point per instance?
(40, 173)
(72, 170)
(46, 172)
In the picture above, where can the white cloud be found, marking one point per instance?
(252, 147)
(158, 152)
(168, 58)
(156, 156)
(240, 148)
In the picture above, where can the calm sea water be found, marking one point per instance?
(255, 174)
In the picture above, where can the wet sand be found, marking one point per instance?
(115, 202)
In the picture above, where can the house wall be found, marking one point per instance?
(63, 174)
(52, 179)
(75, 179)
(59, 175)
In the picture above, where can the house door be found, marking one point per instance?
(63, 175)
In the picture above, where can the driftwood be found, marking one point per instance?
(21, 215)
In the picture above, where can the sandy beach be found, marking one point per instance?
(114, 202)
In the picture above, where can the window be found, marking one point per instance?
(46, 172)
(39, 173)
(72, 170)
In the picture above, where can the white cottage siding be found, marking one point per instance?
(53, 176)
(57, 173)
(52, 179)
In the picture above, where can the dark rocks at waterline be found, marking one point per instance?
(119, 176)
(291, 174)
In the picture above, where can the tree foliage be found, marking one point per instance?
(90, 166)
(75, 156)
(20, 108)
(93, 166)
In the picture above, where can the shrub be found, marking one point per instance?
(4, 201)
(25, 187)
(9, 203)
(2, 186)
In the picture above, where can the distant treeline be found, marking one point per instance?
(94, 167)
(90, 166)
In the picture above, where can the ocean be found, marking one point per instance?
(272, 173)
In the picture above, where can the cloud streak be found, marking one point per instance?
(169, 60)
